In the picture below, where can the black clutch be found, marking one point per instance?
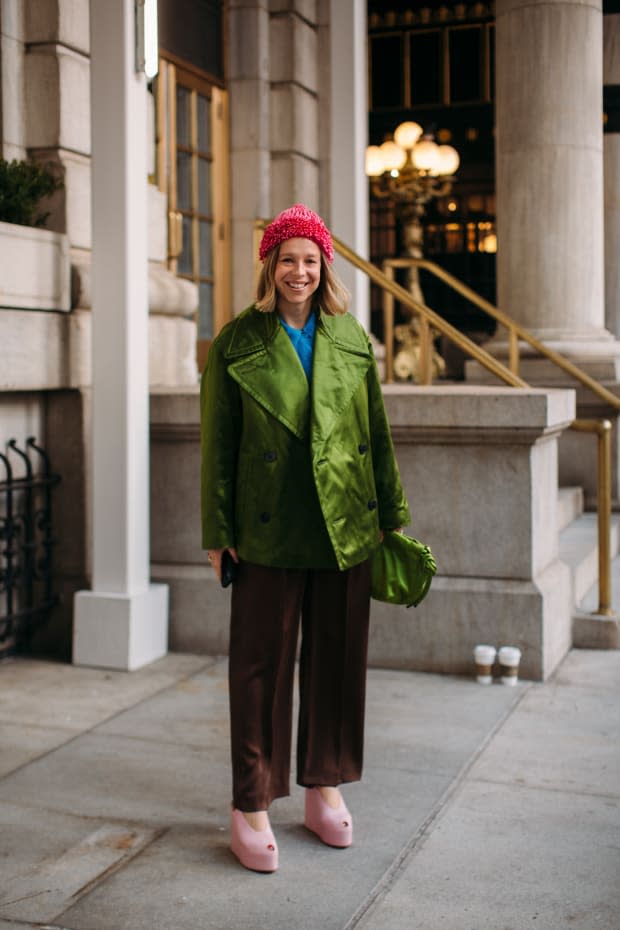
(230, 568)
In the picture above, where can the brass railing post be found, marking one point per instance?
(513, 350)
(602, 430)
(425, 373)
(388, 330)
(604, 523)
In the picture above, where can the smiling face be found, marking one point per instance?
(297, 276)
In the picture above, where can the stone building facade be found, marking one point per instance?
(117, 313)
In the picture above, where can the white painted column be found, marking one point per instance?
(122, 623)
(348, 208)
(611, 148)
(550, 171)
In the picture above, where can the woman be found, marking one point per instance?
(299, 479)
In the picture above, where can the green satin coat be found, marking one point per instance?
(296, 475)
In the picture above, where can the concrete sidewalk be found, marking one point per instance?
(481, 807)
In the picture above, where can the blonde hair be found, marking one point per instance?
(331, 295)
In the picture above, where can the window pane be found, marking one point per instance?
(492, 60)
(426, 68)
(184, 181)
(193, 31)
(465, 64)
(185, 258)
(204, 123)
(204, 186)
(387, 71)
(206, 248)
(183, 119)
(205, 310)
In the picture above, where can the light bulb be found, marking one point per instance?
(374, 161)
(393, 156)
(449, 160)
(407, 134)
(425, 156)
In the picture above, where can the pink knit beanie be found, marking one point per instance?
(297, 222)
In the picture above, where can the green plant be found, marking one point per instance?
(23, 184)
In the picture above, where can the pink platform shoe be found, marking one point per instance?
(333, 825)
(255, 849)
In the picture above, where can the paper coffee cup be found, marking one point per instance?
(484, 657)
(509, 659)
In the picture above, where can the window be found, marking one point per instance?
(465, 55)
(425, 67)
(386, 65)
(445, 65)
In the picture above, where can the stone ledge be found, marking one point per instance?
(48, 351)
(34, 268)
(474, 406)
(169, 295)
(478, 436)
(595, 631)
(174, 408)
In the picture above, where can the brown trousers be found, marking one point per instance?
(266, 607)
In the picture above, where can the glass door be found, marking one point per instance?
(192, 155)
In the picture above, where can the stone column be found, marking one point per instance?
(274, 120)
(550, 173)
(122, 622)
(12, 111)
(611, 148)
(348, 129)
(248, 73)
(294, 116)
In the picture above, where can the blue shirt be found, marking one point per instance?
(303, 342)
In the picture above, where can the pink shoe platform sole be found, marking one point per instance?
(255, 849)
(332, 825)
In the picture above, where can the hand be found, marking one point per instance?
(215, 558)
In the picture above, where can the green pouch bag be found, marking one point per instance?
(402, 569)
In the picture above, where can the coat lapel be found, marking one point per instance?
(264, 363)
(341, 360)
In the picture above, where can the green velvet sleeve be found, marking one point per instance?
(392, 503)
(220, 431)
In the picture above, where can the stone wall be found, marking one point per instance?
(480, 470)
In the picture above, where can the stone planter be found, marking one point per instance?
(34, 269)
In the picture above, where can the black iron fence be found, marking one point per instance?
(26, 543)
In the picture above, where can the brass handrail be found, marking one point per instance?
(437, 322)
(516, 332)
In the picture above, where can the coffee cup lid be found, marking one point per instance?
(509, 655)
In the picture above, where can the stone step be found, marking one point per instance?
(592, 630)
(579, 550)
(570, 506)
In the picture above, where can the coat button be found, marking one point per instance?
(372, 505)
(265, 517)
(363, 447)
(270, 456)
